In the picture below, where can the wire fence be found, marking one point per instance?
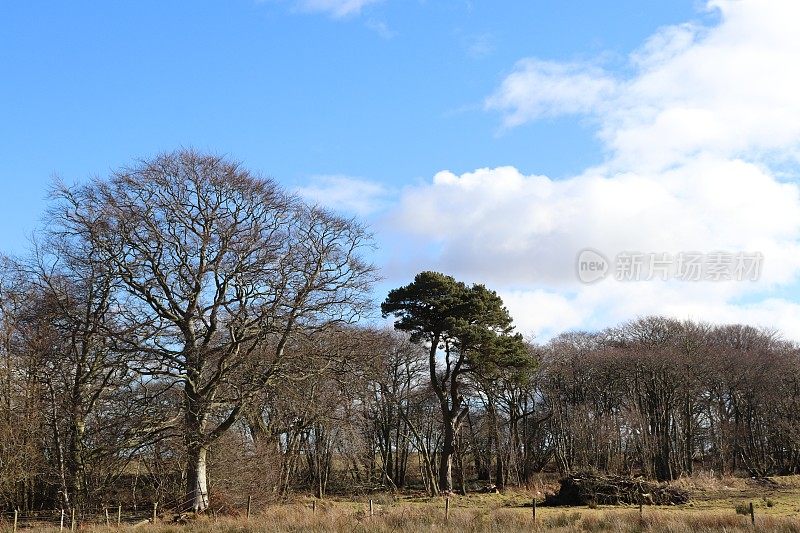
(119, 516)
(75, 518)
(71, 519)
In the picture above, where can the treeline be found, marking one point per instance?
(188, 333)
(665, 398)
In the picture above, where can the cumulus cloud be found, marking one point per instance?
(728, 90)
(695, 134)
(525, 229)
(522, 234)
(544, 313)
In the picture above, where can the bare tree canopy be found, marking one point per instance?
(221, 268)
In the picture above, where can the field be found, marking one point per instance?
(713, 508)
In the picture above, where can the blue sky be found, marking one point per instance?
(88, 86)
(364, 104)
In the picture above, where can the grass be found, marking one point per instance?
(711, 494)
(418, 518)
(714, 507)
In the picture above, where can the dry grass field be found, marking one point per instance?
(712, 508)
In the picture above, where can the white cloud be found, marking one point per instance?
(728, 90)
(345, 194)
(523, 233)
(693, 136)
(334, 8)
(519, 229)
(541, 313)
(544, 88)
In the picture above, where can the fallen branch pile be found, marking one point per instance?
(587, 488)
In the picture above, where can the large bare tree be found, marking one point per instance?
(223, 268)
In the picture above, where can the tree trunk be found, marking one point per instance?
(446, 459)
(500, 470)
(197, 480)
(462, 481)
(76, 458)
(688, 437)
(196, 499)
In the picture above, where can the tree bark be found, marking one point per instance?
(76, 457)
(446, 459)
(196, 499)
(197, 479)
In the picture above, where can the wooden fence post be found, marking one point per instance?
(752, 515)
(534, 508)
(370, 509)
(249, 504)
(314, 507)
(447, 508)
(119, 515)
(16, 515)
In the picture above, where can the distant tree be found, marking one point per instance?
(69, 330)
(23, 411)
(397, 385)
(471, 331)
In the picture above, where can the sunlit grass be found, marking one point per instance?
(777, 508)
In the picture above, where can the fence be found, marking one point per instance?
(71, 520)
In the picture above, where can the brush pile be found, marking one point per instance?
(596, 489)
